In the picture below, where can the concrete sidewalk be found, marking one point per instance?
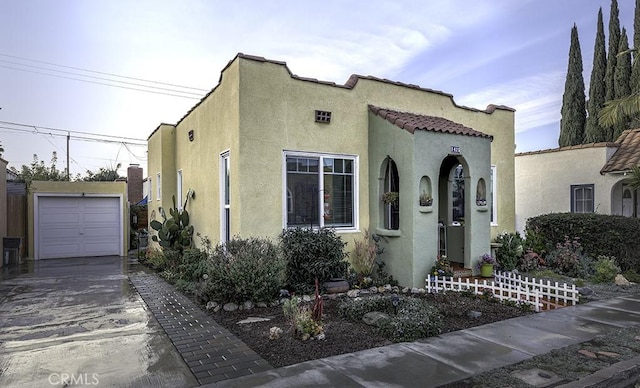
(455, 356)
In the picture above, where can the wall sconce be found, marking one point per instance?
(191, 135)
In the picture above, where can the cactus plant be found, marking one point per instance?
(174, 232)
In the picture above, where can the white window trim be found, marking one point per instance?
(223, 206)
(494, 194)
(179, 198)
(158, 187)
(356, 186)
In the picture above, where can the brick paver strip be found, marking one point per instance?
(211, 351)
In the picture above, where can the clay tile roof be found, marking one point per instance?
(412, 122)
(628, 153)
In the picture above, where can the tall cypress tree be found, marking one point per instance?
(635, 70)
(593, 132)
(622, 79)
(573, 100)
(614, 42)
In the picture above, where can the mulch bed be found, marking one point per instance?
(343, 336)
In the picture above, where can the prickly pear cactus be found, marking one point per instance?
(174, 232)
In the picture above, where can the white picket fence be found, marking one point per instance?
(508, 286)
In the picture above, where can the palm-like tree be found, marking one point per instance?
(616, 111)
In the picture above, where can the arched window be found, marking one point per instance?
(391, 196)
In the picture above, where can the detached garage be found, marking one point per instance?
(77, 219)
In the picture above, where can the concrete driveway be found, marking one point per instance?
(79, 322)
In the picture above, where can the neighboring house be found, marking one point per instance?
(267, 150)
(77, 219)
(581, 179)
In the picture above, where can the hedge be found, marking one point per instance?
(599, 235)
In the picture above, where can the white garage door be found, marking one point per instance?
(78, 226)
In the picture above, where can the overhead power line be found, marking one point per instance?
(36, 127)
(173, 90)
(103, 73)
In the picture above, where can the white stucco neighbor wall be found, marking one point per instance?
(544, 180)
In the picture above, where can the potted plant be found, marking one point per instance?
(391, 198)
(486, 265)
(425, 199)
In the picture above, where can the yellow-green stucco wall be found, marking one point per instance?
(258, 110)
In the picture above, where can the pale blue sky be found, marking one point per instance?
(482, 51)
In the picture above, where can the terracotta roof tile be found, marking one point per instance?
(412, 122)
(573, 147)
(628, 153)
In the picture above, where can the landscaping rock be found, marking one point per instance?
(230, 307)
(622, 281)
(353, 293)
(247, 305)
(306, 298)
(253, 320)
(382, 289)
(261, 305)
(387, 287)
(275, 333)
(405, 290)
(586, 291)
(395, 289)
(587, 353)
(608, 354)
(474, 314)
(320, 337)
(415, 290)
(374, 318)
(373, 290)
(217, 308)
(212, 305)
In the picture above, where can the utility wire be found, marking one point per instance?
(75, 137)
(95, 77)
(102, 83)
(103, 73)
(69, 131)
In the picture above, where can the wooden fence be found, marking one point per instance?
(506, 286)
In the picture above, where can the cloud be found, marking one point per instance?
(536, 99)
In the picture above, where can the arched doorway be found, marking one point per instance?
(453, 192)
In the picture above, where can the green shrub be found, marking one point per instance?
(511, 250)
(192, 265)
(631, 276)
(363, 256)
(300, 318)
(415, 318)
(312, 254)
(245, 269)
(567, 259)
(606, 269)
(600, 234)
(530, 261)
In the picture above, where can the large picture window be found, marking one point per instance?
(320, 190)
(582, 199)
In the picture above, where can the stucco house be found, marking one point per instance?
(267, 150)
(584, 178)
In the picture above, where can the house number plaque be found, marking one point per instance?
(455, 149)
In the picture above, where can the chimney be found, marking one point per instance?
(134, 183)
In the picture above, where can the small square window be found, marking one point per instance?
(323, 116)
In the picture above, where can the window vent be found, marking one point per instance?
(323, 116)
